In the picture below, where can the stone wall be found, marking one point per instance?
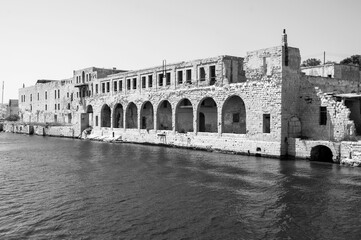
(316, 92)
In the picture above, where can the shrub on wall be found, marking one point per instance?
(13, 118)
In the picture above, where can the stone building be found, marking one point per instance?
(261, 104)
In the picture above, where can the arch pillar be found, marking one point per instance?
(195, 119)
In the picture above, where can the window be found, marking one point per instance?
(38, 96)
(96, 88)
(58, 93)
(96, 120)
(31, 97)
(150, 81)
(31, 107)
(55, 94)
(67, 94)
(235, 117)
(120, 85)
(128, 84)
(68, 106)
(202, 74)
(46, 95)
(168, 79)
(212, 74)
(55, 118)
(143, 82)
(55, 106)
(58, 106)
(77, 94)
(115, 86)
(189, 75)
(103, 87)
(134, 83)
(180, 77)
(108, 86)
(266, 123)
(46, 107)
(160, 79)
(323, 115)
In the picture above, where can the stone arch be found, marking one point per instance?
(184, 116)
(105, 116)
(147, 116)
(294, 127)
(164, 115)
(131, 120)
(234, 115)
(321, 153)
(207, 115)
(118, 117)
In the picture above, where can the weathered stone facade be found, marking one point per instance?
(261, 104)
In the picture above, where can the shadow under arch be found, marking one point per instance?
(131, 116)
(118, 117)
(105, 116)
(164, 115)
(234, 115)
(321, 153)
(184, 116)
(147, 116)
(207, 115)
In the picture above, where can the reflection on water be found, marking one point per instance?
(70, 189)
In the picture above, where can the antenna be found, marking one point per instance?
(2, 94)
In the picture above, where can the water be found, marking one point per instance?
(56, 188)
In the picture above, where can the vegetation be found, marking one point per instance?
(354, 59)
(311, 62)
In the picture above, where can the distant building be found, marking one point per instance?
(13, 107)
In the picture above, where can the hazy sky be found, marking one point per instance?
(48, 39)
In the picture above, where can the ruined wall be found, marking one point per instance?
(333, 70)
(316, 92)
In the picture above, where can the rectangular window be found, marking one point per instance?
(212, 74)
(58, 106)
(134, 83)
(168, 79)
(323, 115)
(71, 96)
(96, 88)
(55, 118)
(77, 94)
(96, 120)
(180, 77)
(150, 81)
(46, 95)
(115, 86)
(235, 117)
(46, 107)
(120, 85)
(108, 86)
(266, 123)
(202, 74)
(38, 96)
(31, 97)
(55, 106)
(67, 94)
(189, 75)
(58, 93)
(128, 84)
(143, 82)
(103, 87)
(160, 79)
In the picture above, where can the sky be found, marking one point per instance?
(48, 39)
